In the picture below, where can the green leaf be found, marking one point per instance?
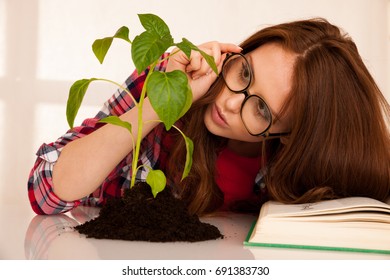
(147, 48)
(154, 24)
(186, 46)
(169, 95)
(123, 33)
(101, 46)
(188, 163)
(151, 44)
(157, 181)
(115, 120)
(188, 103)
(76, 95)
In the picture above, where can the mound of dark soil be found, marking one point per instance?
(139, 216)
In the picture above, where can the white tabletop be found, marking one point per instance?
(25, 235)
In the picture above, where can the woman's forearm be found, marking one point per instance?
(85, 163)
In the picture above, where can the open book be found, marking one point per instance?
(356, 224)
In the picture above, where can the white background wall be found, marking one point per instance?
(45, 45)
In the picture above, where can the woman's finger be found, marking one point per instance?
(196, 66)
(215, 50)
(195, 62)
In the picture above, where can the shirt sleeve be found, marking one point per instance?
(42, 198)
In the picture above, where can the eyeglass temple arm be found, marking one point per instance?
(267, 134)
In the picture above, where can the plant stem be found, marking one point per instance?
(140, 126)
(178, 129)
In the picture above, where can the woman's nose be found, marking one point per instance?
(234, 102)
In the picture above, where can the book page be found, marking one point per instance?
(373, 217)
(342, 205)
(350, 224)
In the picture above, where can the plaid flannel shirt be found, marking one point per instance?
(40, 187)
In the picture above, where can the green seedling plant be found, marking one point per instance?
(169, 92)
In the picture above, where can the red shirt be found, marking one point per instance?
(236, 176)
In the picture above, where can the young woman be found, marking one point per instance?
(294, 116)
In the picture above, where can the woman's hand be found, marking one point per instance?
(199, 73)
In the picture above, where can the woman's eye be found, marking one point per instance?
(263, 110)
(245, 73)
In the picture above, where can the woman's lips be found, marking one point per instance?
(218, 117)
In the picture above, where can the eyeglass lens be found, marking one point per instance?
(237, 73)
(255, 113)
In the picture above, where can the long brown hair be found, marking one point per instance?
(339, 144)
(198, 189)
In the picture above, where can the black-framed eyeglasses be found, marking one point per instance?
(255, 113)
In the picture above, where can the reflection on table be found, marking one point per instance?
(53, 237)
